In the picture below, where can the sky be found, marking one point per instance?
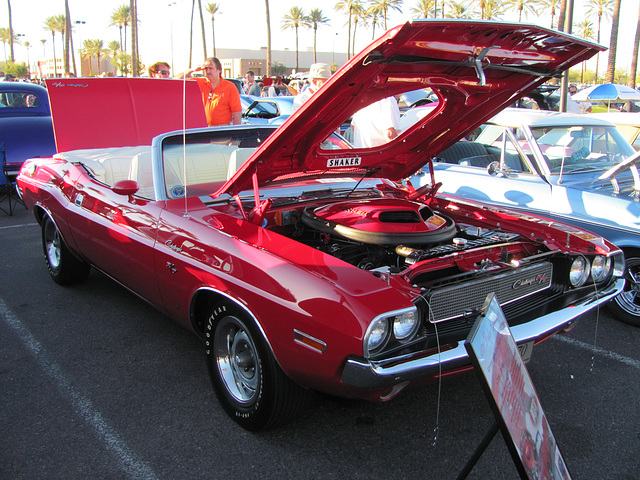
(164, 27)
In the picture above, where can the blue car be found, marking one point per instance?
(26, 130)
(573, 168)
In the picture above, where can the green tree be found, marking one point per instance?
(135, 56)
(551, 6)
(425, 8)
(268, 19)
(18, 70)
(350, 8)
(584, 30)
(7, 38)
(51, 24)
(212, 9)
(316, 18)
(121, 18)
(114, 53)
(93, 48)
(634, 55)
(599, 9)
(11, 34)
(526, 6)
(383, 6)
(458, 10)
(613, 43)
(293, 21)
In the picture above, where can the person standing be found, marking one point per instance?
(160, 70)
(376, 124)
(252, 87)
(220, 97)
(319, 73)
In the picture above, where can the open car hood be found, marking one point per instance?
(475, 67)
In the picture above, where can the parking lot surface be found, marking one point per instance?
(94, 383)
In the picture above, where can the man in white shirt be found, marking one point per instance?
(376, 124)
(319, 73)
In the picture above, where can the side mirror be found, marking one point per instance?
(494, 169)
(126, 187)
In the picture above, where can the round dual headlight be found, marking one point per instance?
(405, 326)
(600, 268)
(579, 273)
(378, 335)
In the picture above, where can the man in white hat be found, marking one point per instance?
(318, 74)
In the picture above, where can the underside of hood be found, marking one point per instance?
(476, 68)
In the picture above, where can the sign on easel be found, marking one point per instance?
(512, 396)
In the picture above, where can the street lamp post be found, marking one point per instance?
(80, 22)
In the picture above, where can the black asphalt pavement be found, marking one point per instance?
(94, 383)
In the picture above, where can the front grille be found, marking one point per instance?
(458, 300)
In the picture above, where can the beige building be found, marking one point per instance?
(236, 62)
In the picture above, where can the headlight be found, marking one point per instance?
(395, 327)
(377, 335)
(405, 325)
(579, 272)
(600, 268)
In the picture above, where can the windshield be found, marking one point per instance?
(569, 149)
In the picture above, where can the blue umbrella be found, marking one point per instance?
(608, 92)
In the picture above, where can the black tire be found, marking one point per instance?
(626, 306)
(249, 384)
(64, 267)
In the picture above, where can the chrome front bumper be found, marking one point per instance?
(362, 373)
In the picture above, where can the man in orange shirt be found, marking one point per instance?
(220, 97)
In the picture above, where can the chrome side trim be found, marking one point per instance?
(361, 373)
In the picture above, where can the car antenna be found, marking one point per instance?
(184, 143)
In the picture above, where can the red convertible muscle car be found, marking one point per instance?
(305, 264)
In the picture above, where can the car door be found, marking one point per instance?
(117, 234)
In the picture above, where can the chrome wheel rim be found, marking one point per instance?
(629, 299)
(237, 360)
(52, 245)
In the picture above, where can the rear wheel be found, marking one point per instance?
(626, 306)
(64, 267)
(249, 384)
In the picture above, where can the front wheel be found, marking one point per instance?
(64, 267)
(626, 306)
(249, 384)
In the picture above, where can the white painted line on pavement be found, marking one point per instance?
(601, 351)
(18, 226)
(133, 466)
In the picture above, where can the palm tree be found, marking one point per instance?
(93, 48)
(212, 9)
(349, 7)
(316, 18)
(585, 30)
(359, 12)
(613, 44)
(6, 37)
(562, 15)
(634, 56)
(424, 8)
(114, 54)
(121, 18)
(599, 9)
(204, 40)
(11, 35)
(67, 36)
(294, 20)
(51, 24)
(521, 6)
(552, 6)
(458, 10)
(491, 9)
(268, 18)
(135, 57)
(383, 6)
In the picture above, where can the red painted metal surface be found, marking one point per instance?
(118, 112)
